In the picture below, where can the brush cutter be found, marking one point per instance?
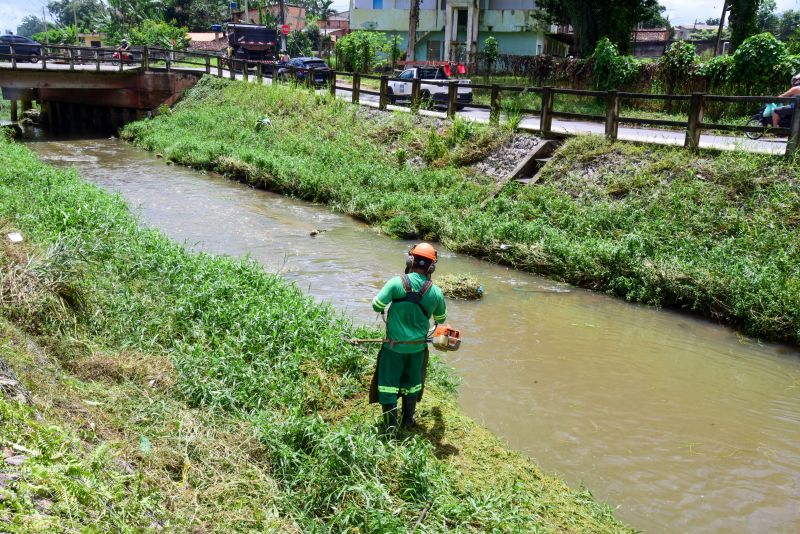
(442, 337)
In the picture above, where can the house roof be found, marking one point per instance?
(697, 27)
(651, 35)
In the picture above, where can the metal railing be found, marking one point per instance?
(161, 59)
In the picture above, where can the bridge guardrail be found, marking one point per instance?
(155, 58)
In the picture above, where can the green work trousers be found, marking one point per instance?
(399, 374)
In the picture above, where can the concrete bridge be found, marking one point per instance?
(77, 94)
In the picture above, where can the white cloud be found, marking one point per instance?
(687, 11)
(13, 11)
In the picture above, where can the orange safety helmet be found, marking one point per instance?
(426, 251)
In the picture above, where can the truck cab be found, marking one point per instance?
(400, 89)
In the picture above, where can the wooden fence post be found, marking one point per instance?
(293, 74)
(260, 73)
(695, 119)
(356, 92)
(145, 59)
(332, 82)
(452, 95)
(121, 60)
(612, 115)
(208, 64)
(232, 68)
(219, 67)
(415, 87)
(793, 143)
(44, 58)
(97, 60)
(494, 104)
(168, 60)
(310, 78)
(13, 57)
(71, 58)
(383, 92)
(245, 70)
(546, 118)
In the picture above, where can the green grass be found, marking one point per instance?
(711, 233)
(5, 110)
(115, 302)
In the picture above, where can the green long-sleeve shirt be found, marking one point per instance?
(406, 322)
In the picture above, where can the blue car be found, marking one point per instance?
(24, 48)
(302, 66)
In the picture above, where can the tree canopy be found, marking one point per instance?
(743, 20)
(767, 19)
(30, 25)
(592, 20)
(87, 13)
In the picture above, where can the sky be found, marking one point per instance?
(679, 11)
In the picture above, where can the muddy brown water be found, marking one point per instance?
(678, 423)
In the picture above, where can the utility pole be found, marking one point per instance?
(283, 21)
(718, 46)
(75, 16)
(246, 12)
(44, 23)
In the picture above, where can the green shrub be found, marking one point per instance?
(677, 67)
(757, 62)
(717, 72)
(612, 70)
(363, 50)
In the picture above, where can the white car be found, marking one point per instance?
(436, 94)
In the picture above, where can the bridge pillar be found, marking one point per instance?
(14, 115)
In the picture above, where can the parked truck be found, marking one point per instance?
(400, 90)
(254, 43)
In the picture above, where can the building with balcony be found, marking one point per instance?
(454, 29)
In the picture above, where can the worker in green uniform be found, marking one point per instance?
(403, 358)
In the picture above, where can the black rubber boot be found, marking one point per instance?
(409, 410)
(389, 419)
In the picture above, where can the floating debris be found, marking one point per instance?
(460, 286)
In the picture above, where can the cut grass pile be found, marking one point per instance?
(712, 233)
(460, 286)
(229, 393)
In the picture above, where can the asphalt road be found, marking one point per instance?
(767, 145)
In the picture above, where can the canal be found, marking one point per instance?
(678, 423)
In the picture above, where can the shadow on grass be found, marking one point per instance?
(436, 434)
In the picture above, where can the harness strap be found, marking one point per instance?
(414, 296)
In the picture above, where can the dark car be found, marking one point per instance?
(24, 48)
(302, 66)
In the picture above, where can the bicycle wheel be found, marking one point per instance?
(755, 122)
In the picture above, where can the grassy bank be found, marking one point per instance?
(711, 233)
(227, 394)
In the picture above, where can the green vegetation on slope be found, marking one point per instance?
(115, 302)
(713, 233)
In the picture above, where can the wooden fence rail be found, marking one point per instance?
(154, 58)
